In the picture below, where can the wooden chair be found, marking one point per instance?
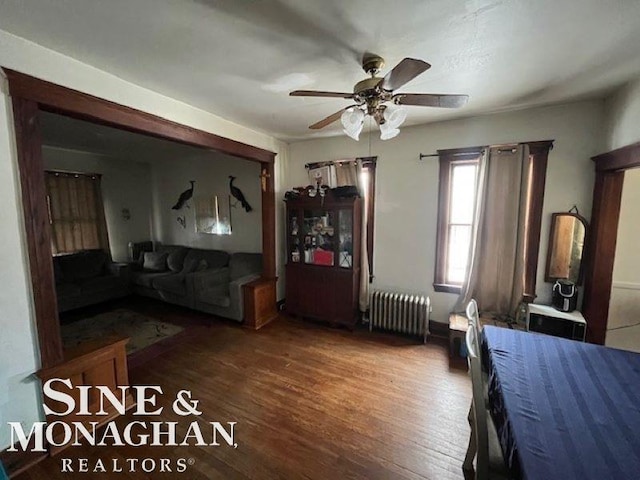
(483, 443)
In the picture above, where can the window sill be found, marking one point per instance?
(443, 287)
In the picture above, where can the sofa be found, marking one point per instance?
(88, 277)
(206, 280)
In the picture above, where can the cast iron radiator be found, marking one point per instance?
(399, 312)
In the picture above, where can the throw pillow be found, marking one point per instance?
(202, 265)
(155, 261)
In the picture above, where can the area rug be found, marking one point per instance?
(141, 330)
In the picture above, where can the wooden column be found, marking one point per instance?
(601, 248)
(38, 231)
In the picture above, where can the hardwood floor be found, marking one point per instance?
(311, 402)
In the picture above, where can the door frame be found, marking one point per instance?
(29, 96)
(603, 234)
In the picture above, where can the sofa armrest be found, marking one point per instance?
(235, 288)
(208, 279)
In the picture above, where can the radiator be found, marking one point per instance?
(399, 312)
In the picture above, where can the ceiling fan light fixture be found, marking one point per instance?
(353, 121)
(387, 133)
(395, 117)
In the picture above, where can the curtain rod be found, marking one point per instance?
(510, 146)
(71, 172)
(328, 163)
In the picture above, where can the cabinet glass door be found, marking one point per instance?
(293, 230)
(345, 238)
(318, 237)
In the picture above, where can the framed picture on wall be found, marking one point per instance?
(213, 214)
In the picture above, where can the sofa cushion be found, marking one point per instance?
(67, 290)
(242, 264)
(175, 257)
(100, 284)
(214, 258)
(57, 271)
(171, 283)
(155, 261)
(83, 265)
(145, 279)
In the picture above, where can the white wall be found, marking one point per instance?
(622, 112)
(19, 400)
(210, 170)
(624, 306)
(125, 184)
(407, 188)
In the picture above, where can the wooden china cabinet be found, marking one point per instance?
(323, 257)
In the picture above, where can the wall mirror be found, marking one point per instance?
(566, 247)
(213, 215)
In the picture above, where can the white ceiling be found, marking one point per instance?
(239, 58)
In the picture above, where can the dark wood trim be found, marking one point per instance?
(600, 252)
(465, 153)
(20, 461)
(268, 220)
(29, 96)
(38, 230)
(447, 160)
(443, 287)
(58, 99)
(539, 152)
(619, 159)
(371, 211)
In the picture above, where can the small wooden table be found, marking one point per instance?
(259, 302)
(458, 325)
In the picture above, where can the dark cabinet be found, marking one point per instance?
(323, 258)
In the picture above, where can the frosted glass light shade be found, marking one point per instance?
(394, 118)
(353, 120)
(386, 133)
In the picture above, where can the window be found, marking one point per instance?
(456, 208)
(455, 218)
(76, 212)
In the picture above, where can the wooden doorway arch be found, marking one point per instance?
(31, 95)
(601, 251)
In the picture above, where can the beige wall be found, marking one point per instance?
(622, 112)
(407, 188)
(210, 171)
(19, 398)
(125, 184)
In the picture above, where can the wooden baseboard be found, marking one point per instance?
(19, 461)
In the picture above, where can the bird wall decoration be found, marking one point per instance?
(238, 195)
(184, 197)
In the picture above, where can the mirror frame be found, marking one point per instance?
(552, 234)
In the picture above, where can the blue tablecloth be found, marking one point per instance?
(563, 409)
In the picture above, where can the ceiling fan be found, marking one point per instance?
(371, 94)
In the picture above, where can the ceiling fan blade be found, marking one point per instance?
(404, 72)
(315, 93)
(330, 119)
(430, 100)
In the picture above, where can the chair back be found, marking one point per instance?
(478, 404)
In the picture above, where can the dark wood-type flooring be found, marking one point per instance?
(311, 402)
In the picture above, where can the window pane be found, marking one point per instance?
(458, 253)
(463, 185)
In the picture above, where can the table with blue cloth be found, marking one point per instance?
(563, 409)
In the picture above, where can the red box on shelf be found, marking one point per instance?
(323, 257)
